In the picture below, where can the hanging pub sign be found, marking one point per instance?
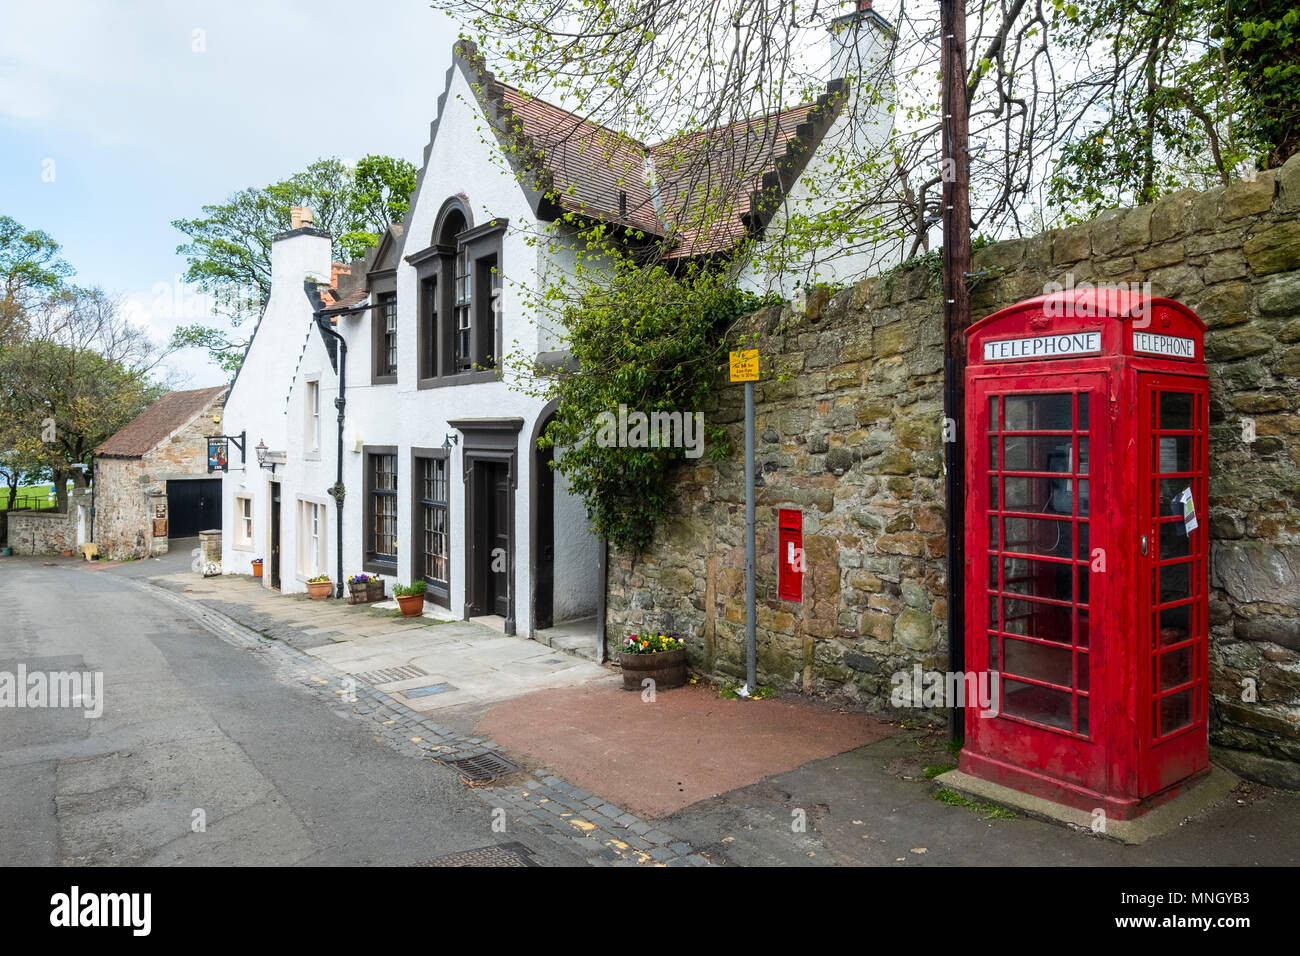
(218, 454)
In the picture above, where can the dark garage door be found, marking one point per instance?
(193, 506)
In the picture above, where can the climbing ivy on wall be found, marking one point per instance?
(646, 342)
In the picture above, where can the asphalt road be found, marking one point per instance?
(197, 731)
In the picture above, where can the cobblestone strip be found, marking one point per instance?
(601, 833)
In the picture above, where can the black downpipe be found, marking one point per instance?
(341, 404)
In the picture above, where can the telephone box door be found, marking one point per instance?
(1040, 478)
(1173, 473)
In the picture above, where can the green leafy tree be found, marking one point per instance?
(80, 373)
(228, 252)
(30, 268)
(1261, 47)
(653, 342)
(1172, 94)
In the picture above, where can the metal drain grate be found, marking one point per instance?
(387, 675)
(482, 767)
(500, 854)
(427, 691)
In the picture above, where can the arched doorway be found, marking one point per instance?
(542, 530)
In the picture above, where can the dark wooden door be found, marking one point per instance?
(193, 506)
(275, 534)
(499, 541)
(544, 573)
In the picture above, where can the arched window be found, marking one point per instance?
(459, 280)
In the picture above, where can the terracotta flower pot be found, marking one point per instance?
(666, 668)
(412, 605)
(319, 590)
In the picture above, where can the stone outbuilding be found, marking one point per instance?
(151, 478)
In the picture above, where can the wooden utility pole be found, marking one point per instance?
(956, 317)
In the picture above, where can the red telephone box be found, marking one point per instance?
(1086, 548)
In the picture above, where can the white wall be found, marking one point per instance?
(258, 401)
(407, 417)
(860, 130)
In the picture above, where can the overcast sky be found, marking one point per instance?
(138, 119)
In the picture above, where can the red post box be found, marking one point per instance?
(1086, 548)
(790, 560)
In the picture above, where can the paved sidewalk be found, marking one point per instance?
(431, 663)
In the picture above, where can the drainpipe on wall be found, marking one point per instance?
(338, 350)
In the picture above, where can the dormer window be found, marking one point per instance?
(381, 282)
(460, 335)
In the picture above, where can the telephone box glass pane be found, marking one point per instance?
(1041, 704)
(1168, 493)
(1053, 665)
(1175, 624)
(993, 413)
(1175, 410)
(1175, 712)
(1040, 413)
(1047, 622)
(1083, 672)
(1173, 453)
(1175, 582)
(1051, 453)
(1174, 542)
(1083, 628)
(1042, 579)
(1085, 554)
(1083, 716)
(1038, 536)
(1175, 668)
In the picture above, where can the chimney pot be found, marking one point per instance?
(300, 216)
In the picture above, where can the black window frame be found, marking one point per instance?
(439, 592)
(373, 560)
(441, 364)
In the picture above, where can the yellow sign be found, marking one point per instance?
(744, 366)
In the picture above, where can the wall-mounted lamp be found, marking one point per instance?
(450, 440)
(261, 453)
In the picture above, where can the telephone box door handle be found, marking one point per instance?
(1144, 544)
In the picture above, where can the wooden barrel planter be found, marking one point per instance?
(667, 669)
(366, 592)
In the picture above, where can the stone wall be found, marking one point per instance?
(852, 437)
(123, 523)
(51, 532)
